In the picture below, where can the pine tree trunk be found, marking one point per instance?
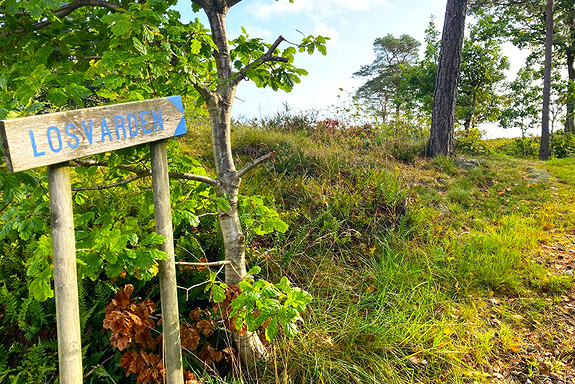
(467, 125)
(443, 114)
(544, 143)
(570, 120)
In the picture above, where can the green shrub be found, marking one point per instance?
(563, 144)
(470, 142)
(407, 149)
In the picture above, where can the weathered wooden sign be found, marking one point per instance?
(55, 138)
(35, 141)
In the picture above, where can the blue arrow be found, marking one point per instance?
(177, 102)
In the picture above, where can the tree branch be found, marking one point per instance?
(201, 3)
(64, 11)
(203, 90)
(188, 176)
(206, 264)
(108, 186)
(146, 172)
(254, 164)
(6, 204)
(231, 3)
(266, 57)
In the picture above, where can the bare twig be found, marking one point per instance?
(146, 172)
(254, 164)
(98, 366)
(206, 264)
(108, 186)
(202, 283)
(208, 214)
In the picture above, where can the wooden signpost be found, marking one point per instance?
(53, 139)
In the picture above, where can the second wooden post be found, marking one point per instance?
(65, 275)
(167, 274)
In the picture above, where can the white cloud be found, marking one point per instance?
(264, 11)
(255, 31)
(318, 7)
(324, 14)
(321, 28)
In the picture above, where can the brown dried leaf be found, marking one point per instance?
(120, 341)
(210, 355)
(206, 327)
(122, 299)
(133, 362)
(190, 337)
(230, 354)
(190, 378)
(203, 259)
(196, 314)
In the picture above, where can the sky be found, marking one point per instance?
(351, 25)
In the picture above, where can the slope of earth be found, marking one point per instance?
(421, 271)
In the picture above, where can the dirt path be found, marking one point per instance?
(547, 352)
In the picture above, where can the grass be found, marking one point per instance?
(404, 270)
(421, 272)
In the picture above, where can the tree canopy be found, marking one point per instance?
(385, 74)
(56, 56)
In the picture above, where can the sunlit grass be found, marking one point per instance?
(410, 263)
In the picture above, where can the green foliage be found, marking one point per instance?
(527, 147)
(258, 218)
(138, 51)
(385, 77)
(261, 303)
(406, 149)
(246, 50)
(523, 105)
(563, 144)
(522, 25)
(37, 366)
(470, 142)
(482, 70)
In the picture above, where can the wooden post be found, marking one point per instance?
(65, 275)
(53, 139)
(167, 274)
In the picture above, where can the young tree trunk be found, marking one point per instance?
(443, 113)
(544, 143)
(219, 105)
(397, 113)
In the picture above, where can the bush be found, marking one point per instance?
(471, 142)
(563, 144)
(408, 149)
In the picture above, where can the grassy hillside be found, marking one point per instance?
(421, 271)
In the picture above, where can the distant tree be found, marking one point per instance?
(382, 90)
(523, 103)
(422, 76)
(564, 42)
(544, 143)
(523, 22)
(482, 70)
(443, 114)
